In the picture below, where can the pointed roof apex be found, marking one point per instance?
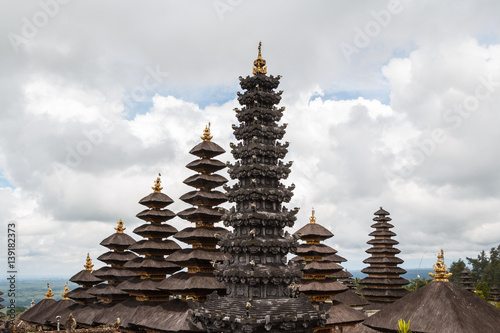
(440, 269)
(66, 290)
(88, 264)
(206, 134)
(119, 229)
(259, 65)
(312, 219)
(49, 293)
(381, 211)
(157, 188)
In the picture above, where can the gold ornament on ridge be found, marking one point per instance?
(259, 65)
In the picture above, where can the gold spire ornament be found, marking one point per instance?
(259, 65)
(206, 134)
(66, 290)
(120, 228)
(312, 219)
(88, 264)
(440, 269)
(49, 293)
(157, 188)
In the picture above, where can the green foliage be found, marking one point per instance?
(417, 283)
(456, 269)
(403, 327)
(484, 289)
(486, 267)
(358, 285)
(479, 293)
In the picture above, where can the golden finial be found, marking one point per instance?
(259, 65)
(49, 293)
(66, 290)
(88, 264)
(206, 134)
(441, 269)
(312, 219)
(120, 228)
(157, 188)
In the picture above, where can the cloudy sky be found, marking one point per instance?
(389, 103)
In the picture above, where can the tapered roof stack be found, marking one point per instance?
(86, 279)
(257, 276)
(383, 284)
(114, 273)
(319, 282)
(466, 280)
(39, 309)
(199, 280)
(494, 294)
(152, 267)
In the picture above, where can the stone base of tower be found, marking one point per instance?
(226, 314)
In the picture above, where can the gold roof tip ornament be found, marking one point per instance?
(157, 188)
(312, 219)
(88, 264)
(206, 134)
(259, 65)
(440, 269)
(66, 290)
(49, 293)
(119, 229)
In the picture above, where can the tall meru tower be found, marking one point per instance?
(257, 277)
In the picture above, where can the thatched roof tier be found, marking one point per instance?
(156, 200)
(384, 293)
(383, 270)
(383, 250)
(313, 231)
(382, 213)
(155, 247)
(37, 310)
(382, 233)
(171, 316)
(494, 294)
(340, 314)
(384, 281)
(155, 230)
(154, 266)
(205, 181)
(442, 307)
(321, 287)
(116, 258)
(207, 149)
(351, 298)
(204, 198)
(205, 235)
(113, 274)
(126, 311)
(321, 267)
(205, 165)
(383, 260)
(184, 283)
(381, 224)
(156, 216)
(466, 280)
(81, 295)
(141, 287)
(320, 250)
(108, 292)
(344, 274)
(197, 257)
(85, 278)
(117, 241)
(335, 258)
(383, 241)
(48, 316)
(201, 214)
(84, 315)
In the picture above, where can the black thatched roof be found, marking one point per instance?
(156, 200)
(183, 283)
(39, 308)
(197, 256)
(207, 149)
(155, 230)
(200, 234)
(151, 266)
(48, 315)
(85, 315)
(201, 214)
(442, 307)
(107, 291)
(313, 231)
(351, 298)
(335, 258)
(126, 311)
(81, 294)
(116, 258)
(155, 247)
(114, 274)
(117, 241)
(314, 250)
(205, 181)
(342, 314)
(206, 165)
(171, 316)
(198, 198)
(156, 216)
(85, 277)
(321, 287)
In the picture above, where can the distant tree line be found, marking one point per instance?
(485, 268)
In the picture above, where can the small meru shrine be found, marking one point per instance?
(238, 280)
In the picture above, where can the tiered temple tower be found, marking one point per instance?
(118, 255)
(86, 280)
(383, 284)
(152, 268)
(257, 276)
(494, 294)
(199, 280)
(319, 282)
(466, 280)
